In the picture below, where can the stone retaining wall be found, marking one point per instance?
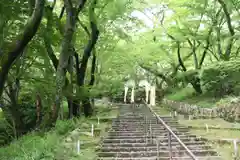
(229, 112)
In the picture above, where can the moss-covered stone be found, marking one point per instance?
(229, 112)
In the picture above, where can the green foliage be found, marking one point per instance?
(28, 110)
(221, 78)
(51, 145)
(6, 131)
(188, 95)
(64, 126)
(187, 77)
(181, 94)
(32, 146)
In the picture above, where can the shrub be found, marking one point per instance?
(32, 146)
(221, 78)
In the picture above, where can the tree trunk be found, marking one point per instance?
(197, 86)
(66, 51)
(53, 58)
(73, 107)
(87, 53)
(38, 109)
(230, 28)
(87, 107)
(15, 115)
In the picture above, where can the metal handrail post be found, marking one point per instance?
(170, 145)
(158, 155)
(173, 134)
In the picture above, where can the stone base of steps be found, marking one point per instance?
(139, 123)
(143, 122)
(153, 148)
(142, 116)
(134, 119)
(137, 133)
(142, 140)
(161, 153)
(143, 137)
(153, 129)
(148, 144)
(162, 158)
(126, 140)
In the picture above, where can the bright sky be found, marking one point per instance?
(146, 20)
(147, 16)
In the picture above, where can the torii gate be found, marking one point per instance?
(142, 83)
(129, 84)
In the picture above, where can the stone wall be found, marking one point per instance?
(229, 112)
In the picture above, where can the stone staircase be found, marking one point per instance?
(138, 135)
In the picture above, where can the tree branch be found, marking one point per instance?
(206, 48)
(28, 33)
(230, 28)
(91, 43)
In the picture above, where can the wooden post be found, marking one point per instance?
(206, 127)
(235, 149)
(175, 113)
(170, 145)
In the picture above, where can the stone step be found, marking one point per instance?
(137, 125)
(152, 148)
(143, 140)
(140, 137)
(142, 122)
(148, 126)
(161, 158)
(153, 132)
(155, 153)
(134, 118)
(142, 115)
(128, 140)
(149, 144)
(142, 133)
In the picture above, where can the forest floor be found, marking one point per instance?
(61, 142)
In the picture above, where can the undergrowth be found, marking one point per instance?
(51, 145)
